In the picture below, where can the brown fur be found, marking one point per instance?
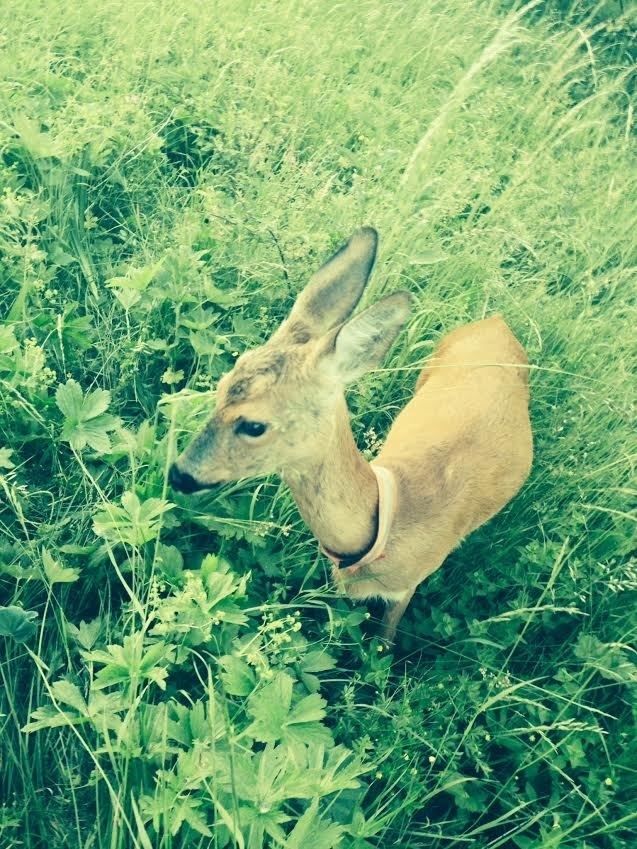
(459, 450)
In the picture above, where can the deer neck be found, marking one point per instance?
(336, 490)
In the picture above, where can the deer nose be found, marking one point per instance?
(182, 481)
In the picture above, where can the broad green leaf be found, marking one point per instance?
(5, 458)
(204, 721)
(55, 572)
(237, 676)
(276, 719)
(271, 822)
(111, 675)
(74, 548)
(270, 707)
(159, 676)
(337, 768)
(123, 443)
(137, 279)
(17, 623)
(195, 612)
(197, 722)
(309, 709)
(169, 561)
(220, 586)
(306, 734)
(135, 522)
(131, 661)
(212, 564)
(199, 318)
(103, 709)
(8, 341)
(185, 810)
(93, 434)
(317, 660)
(205, 343)
(144, 511)
(87, 633)
(127, 297)
(21, 573)
(311, 662)
(145, 438)
(95, 403)
(313, 831)
(67, 693)
(114, 672)
(153, 654)
(75, 405)
(226, 298)
(85, 419)
(610, 660)
(50, 717)
(195, 819)
(58, 256)
(114, 524)
(69, 399)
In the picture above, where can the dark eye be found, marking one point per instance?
(252, 429)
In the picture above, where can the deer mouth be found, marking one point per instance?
(184, 482)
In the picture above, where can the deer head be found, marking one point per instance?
(279, 402)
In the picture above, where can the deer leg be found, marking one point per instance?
(393, 614)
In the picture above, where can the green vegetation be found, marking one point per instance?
(177, 672)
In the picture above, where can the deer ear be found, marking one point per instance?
(362, 343)
(334, 291)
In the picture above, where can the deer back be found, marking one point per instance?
(459, 451)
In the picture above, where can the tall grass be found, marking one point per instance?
(206, 158)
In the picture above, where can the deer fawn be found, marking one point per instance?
(455, 455)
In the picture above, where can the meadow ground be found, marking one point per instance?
(177, 672)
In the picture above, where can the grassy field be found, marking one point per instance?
(177, 672)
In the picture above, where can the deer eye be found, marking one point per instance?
(251, 429)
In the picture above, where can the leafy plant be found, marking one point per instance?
(135, 522)
(86, 422)
(174, 672)
(17, 623)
